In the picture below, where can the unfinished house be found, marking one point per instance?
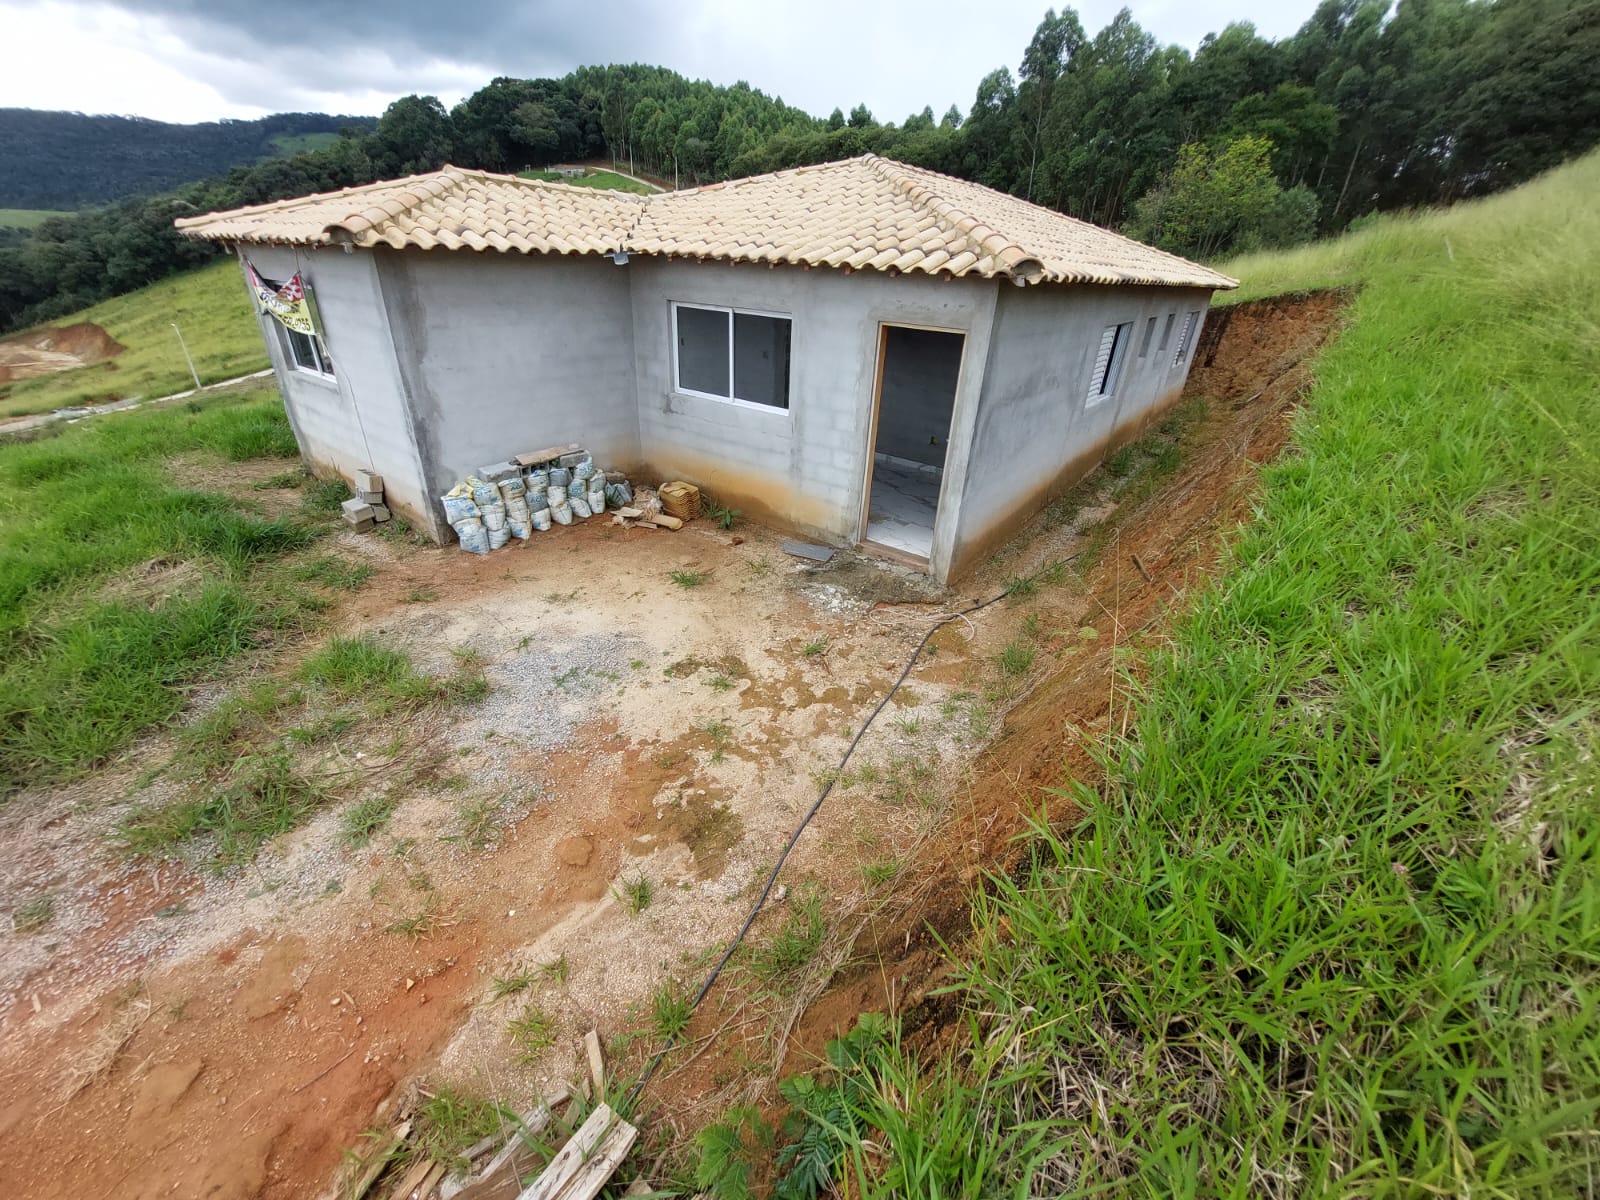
(864, 351)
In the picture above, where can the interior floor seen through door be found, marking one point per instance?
(916, 400)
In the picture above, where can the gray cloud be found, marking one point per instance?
(897, 55)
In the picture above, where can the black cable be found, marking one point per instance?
(772, 878)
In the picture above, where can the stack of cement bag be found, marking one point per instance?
(501, 502)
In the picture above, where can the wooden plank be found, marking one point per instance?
(411, 1181)
(506, 1180)
(597, 1062)
(664, 520)
(376, 1160)
(533, 1124)
(590, 1157)
(605, 1162)
(548, 454)
(431, 1181)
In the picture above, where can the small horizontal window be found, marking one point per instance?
(731, 354)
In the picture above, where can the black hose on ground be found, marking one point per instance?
(772, 878)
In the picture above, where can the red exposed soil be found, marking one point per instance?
(45, 351)
(245, 1074)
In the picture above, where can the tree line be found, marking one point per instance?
(68, 160)
(1246, 142)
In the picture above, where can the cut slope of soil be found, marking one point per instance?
(1251, 370)
(45, 351)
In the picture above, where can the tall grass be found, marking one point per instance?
(1332, 925)
(209, 305)
(82, 671)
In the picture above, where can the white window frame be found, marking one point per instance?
(319, 352)
(1103, 387)
(730, 398)
(1186, 339)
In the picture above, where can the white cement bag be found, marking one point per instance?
(513, 488)
(561, 513)
(580, 507)
(520, 529)
(474, 538)
(483, 493)
(498, 537)
(541, 518)
(494, 516)
(459, 504)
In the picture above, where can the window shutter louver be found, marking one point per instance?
(1108, 339)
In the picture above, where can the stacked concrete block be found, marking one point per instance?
(366, 508)
(358, 514)
(369, 487)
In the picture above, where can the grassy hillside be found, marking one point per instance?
(1332, 926)
(79, 160)
(210, 306)
(90, 656)
(26, 218)
(605, 180)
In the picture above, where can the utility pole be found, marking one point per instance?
(186, 358)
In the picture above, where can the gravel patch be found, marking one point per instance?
(539, 695)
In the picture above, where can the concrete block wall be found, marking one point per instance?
(505, 353)
(805, 466)
(1037, 432)
(359, 419)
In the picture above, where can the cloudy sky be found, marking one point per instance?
(187, 60)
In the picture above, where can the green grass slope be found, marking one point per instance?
(603, 180)
(27, 218)
(86, 666)
(1332, 927)
(210, 306)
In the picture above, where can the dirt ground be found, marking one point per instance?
(175, 1032)
(44, 351)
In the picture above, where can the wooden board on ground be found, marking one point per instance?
(422, 1175)
(502, 1178)
(589, 1159)
(375, 1160)
(597, 1062)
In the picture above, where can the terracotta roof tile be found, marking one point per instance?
(861, 213)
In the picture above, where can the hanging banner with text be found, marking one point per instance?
(286, 302)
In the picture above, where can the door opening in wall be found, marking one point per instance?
(915, 399)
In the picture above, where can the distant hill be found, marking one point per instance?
(66, 160)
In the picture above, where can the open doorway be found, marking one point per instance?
(917, 374)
